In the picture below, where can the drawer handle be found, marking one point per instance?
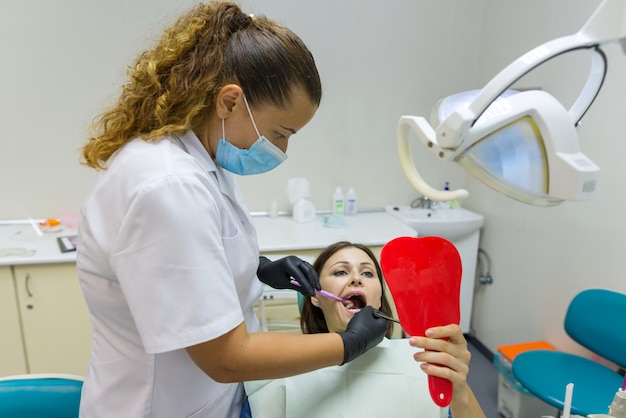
(27, 285)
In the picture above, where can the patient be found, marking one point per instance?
(388, 376)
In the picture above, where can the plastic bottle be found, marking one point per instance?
(618, 406)
(446, 203)
(338, 202)
(351, 202)
(273, 209)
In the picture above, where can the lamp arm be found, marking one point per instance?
(452, 130)
(607, 24)
(427, 135)
(592, 87)
(457, 132)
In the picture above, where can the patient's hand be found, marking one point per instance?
(444, 358)
(446, 355)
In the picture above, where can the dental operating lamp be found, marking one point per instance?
(522, 144)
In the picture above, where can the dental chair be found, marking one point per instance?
(594, 319)
(40, 396)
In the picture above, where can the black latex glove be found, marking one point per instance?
(279, 274)
(364, 331)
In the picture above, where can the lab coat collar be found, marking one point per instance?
(192, 144)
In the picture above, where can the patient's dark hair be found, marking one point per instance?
(312, 319)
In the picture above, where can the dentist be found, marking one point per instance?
(167, 255)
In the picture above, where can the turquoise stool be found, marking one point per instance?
(594, 319)
(40, 396)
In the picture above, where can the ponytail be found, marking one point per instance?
(173, 86)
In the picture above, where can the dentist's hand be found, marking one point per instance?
(282, 273)
(364, 331)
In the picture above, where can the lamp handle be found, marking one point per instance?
(426, 134)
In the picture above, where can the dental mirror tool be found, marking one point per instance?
(329, 295)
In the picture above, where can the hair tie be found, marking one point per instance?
(243, 21)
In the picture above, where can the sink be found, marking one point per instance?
(459, 226)
(451, 224)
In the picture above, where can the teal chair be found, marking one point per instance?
(40, 396)
(595, 319)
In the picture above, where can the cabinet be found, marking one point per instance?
(52, 318)
(12, 357)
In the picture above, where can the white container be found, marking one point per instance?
(273, 209)
(298, 192)
(618, 406)
(338, 204)
(303, 211)
(512, 403)
(514, 400)
(351, 202)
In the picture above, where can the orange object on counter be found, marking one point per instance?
(510, 351)
(50, 223)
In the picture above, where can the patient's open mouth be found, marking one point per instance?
(354, 302)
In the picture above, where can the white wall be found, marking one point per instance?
(376, 63)
(63, 61)
(542, 257)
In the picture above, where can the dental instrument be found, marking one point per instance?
(376, 312)
(379, 314)
(329, 295)
(567, 402)
(522, 144)
(321, 292)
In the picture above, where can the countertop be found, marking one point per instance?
(21, 244)
(370, 228)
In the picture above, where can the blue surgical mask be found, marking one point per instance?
(262, 156)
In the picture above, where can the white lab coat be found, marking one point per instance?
(167, 258)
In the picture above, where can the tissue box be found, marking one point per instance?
(514, 400)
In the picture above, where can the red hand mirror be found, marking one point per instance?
(424, 276)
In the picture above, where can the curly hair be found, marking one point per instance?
(312, 320)
(171, 87)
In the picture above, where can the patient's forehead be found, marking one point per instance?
(349, 255)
